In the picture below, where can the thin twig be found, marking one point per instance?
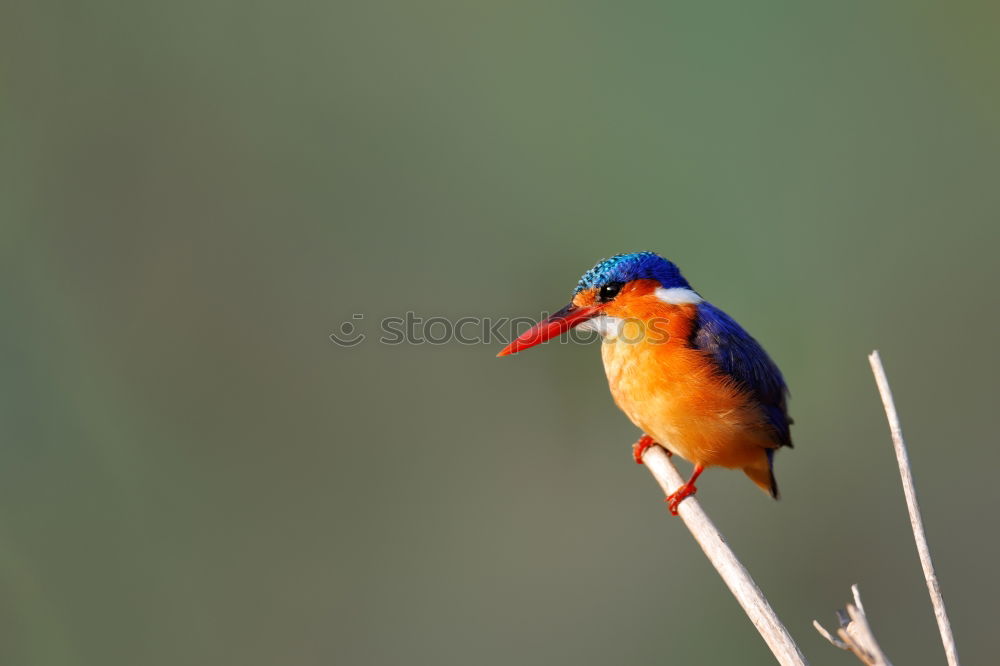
(916, 522)
(724, 560)
(855, 634)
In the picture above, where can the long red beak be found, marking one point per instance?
(558, 323)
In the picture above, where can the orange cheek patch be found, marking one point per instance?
(663, 321)
(645, 316)
(585, 298)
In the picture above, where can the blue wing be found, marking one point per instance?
(742, 358)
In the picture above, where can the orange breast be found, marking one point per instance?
(674, 394)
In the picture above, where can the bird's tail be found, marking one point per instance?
(762, 474)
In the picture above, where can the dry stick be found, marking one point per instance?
(916, 522)
(855, 634)
(724, 560)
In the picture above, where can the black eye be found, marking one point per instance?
(609, 291)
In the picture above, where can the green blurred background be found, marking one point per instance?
(194, 195)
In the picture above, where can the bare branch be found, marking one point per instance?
(916, 522)
(724, 560)
(855, 634)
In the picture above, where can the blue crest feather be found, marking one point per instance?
(633, 266)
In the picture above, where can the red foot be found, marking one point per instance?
(685, 491)
(640, 447)
(676, 498)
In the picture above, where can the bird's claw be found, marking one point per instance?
(682, 493)
(640, 447)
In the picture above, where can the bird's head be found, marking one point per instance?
(626, 286)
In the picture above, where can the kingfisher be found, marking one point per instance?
(683, 371)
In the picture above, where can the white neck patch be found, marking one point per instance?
(678, 296)
(608, 327)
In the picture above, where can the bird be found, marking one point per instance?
(682, 370)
